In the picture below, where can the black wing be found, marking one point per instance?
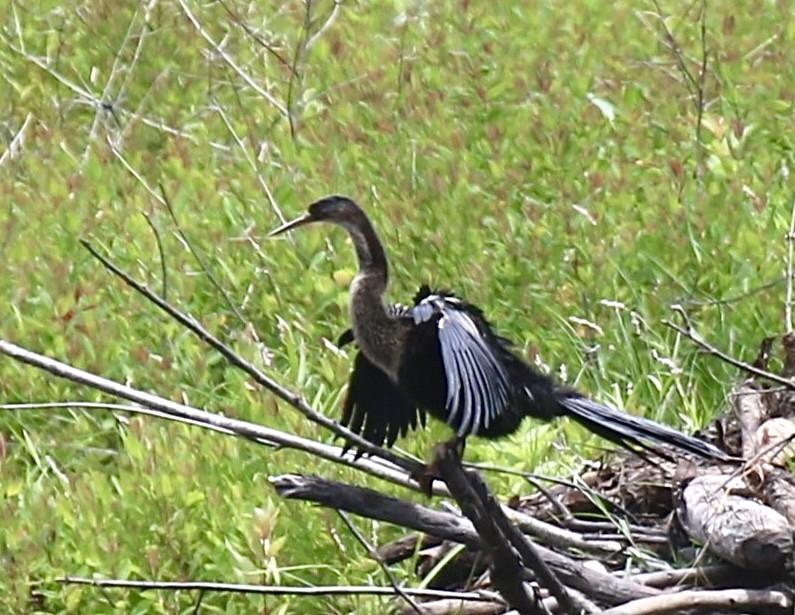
(375, 408)
(453, 364)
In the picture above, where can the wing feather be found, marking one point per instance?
(375, 407)
(478, 387)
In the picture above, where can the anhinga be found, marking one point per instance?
(441, 356)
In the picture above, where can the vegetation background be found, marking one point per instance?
(552, 161)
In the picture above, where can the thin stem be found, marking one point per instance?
(167, 409)
(373, 552)
(692, 335)
(293, 399)
(790, 249)
(274, 590)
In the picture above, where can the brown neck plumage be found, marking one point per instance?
(376, 331)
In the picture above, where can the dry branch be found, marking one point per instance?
(738, 529)
(696, 338)
(750, 412)
(504, 539)
(293, 399)
(716, 575)
(743, 600)
(779, 493)
(164, 408)
(504, 558)
(452, 606)
(598, 586)
(278, 590)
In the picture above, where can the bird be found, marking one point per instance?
(441, 356)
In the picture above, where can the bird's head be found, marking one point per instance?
(335, 209)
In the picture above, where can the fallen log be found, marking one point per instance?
(597, 586)
(739, 529)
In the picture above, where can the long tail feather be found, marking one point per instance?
(634, 432)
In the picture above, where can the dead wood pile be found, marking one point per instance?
(626, 537)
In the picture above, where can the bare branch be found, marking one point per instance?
(368, 503)
(690, 333)
(293, 399)
(373, 552)
(714, 575)
(164, 408)
(275, 590)
(504, 541)
(231, 63)
(561, 537)
(740, 600)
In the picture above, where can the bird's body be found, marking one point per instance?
(441, 356)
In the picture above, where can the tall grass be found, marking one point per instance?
(539, 158)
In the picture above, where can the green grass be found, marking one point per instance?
(470, 132)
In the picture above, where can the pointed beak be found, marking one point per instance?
(301, 221)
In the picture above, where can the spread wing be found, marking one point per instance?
(375, 408)
(476, 380)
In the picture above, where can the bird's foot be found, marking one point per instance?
(425, 476)
(455, 448)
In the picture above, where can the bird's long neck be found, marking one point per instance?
(369, 250)
(377, 332)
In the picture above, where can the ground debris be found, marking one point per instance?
(734, 521)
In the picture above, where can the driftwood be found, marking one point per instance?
(508, 547)
(739, 529)
(736, 514)
(731, 600)
(605, 588)
(744, 518)
(507, 572)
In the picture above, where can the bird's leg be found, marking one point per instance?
(453, 448)
(424, 477)
(456, 447)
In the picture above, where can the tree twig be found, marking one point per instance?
(690, 333)
(375, 555)
(598, 586)
(164, 408)
(502, 538)
(278, 590)
(707, 600)
(505, 564)
(293, 399)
